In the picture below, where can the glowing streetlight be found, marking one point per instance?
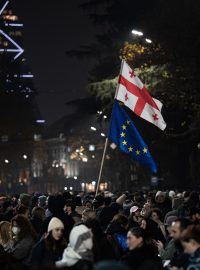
(25, 157)
(103, 134)
(6, 161)
(75, 177)
(85, 159)
(93, 128)
(148, 40)
(137, 33)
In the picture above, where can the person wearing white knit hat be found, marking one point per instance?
(56, 227)
(50, 248)
(79, 247)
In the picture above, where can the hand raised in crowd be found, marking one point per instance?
(159, 245)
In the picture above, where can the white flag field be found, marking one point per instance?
(133, 93)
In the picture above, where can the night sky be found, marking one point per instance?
(51, 28)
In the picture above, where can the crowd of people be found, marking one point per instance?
(139, 231)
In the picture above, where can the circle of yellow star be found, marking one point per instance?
(122, 134)
(124, 127)
(145, 150)
(124, 142)
(137, 152)
(128, 122)
(130, 149)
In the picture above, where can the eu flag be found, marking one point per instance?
(125, 135)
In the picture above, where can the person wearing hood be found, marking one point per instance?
(56, 206)
(162, 202)
(78, 254)
(50, 248)
(25, 199)
(42, 201)
(38, 215)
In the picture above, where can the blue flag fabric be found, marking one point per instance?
(125, 135)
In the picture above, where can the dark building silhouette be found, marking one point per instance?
(18, 109)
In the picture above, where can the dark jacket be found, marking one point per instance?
(180, 259)
(143, 258)
(105, 215)
(154, 231)
(43, 256)
(21, 250)
(81, 265)
(37, 224)
(117, 236)
(194, 260)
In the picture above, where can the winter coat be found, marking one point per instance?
(81, 265)
(105, 215)
(117, 236)
(180, 259)
(42, 255)
(168, 252)
(154, 231)
(194, 260)
(102, 249)
(37, 224)
(21, 250)
(142, 258)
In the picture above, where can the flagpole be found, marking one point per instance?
(102, 162)
(106, 142)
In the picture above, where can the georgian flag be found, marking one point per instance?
(133, 93)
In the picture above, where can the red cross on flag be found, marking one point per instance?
(133, 93)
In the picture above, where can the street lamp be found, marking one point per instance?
(148, 40)
(103, 134)
(6, 161)
(137, 33)
(25, 157)
(85, 159)
(93, 128)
